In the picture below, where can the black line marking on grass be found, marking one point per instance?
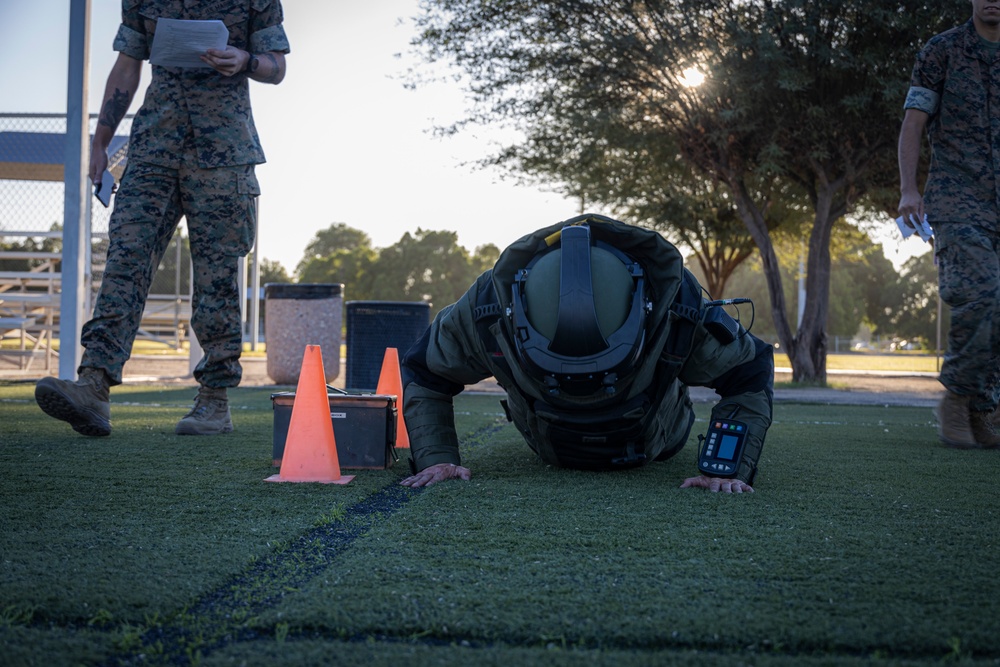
(214, 620)
(483, 435)
(217, 619)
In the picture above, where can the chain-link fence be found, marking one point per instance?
(32, 201)
(32, 155)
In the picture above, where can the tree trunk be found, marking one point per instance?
(811, 341)
(753, 218)
(807, 349)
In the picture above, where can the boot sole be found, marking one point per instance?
(953, 444)
(184, 429)
(57, 405)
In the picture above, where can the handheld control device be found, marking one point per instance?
(722, 448)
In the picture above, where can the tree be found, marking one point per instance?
(800, 99)
(916, 317)
(273, 272)
(354, 268)
(863, 282)
(428, 265)
(28, 245)
(864, 288)
(483, 258)
(641, 179)
(425, 266)
(338, 236)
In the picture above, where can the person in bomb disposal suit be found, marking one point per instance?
(595, 330)
(954, 96)
(192, 152)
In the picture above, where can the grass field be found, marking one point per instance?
(874, 362)
(865, 543)
(857, 361)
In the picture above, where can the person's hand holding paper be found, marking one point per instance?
(911, 225)
(179, 43)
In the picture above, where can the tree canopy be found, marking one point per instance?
(800, 103)
(426, 265)
(336, 238)
(866, 291)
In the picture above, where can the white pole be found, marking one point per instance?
(255, 285)
(76, 232)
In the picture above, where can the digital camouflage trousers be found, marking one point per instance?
(220, 208)
(968, 259)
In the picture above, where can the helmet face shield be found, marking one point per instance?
(578, 315)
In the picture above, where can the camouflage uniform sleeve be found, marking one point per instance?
(437, 367)
(131, 38)
(266, 31)
(927, 80)
(742, 373)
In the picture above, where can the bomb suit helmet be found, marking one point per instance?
(578, 315)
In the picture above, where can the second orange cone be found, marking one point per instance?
(310, 448)
(390, 382)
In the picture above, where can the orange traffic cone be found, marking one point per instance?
(310, 449)
(389, 382)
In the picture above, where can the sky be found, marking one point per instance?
(345, 141)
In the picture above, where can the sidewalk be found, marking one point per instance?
(848, 387)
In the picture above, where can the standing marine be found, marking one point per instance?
(191, 154)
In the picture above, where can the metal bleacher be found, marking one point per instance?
(29, 304)
(32, 152)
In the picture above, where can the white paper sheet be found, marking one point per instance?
(178, 43)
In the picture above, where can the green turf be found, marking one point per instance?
(866, 542)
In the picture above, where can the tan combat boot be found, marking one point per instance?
(85, 404)
(954, 427)
(210, 415)
(985, 429)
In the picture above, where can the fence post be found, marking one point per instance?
(76, 197)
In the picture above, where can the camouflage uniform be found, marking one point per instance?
(457, 351)
(192, 152)
(956, 81)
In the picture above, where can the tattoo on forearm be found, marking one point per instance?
(114, 109)
(276, 74)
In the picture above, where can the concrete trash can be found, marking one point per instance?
(300, 315)
(373, 326)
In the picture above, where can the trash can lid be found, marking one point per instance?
(392, 305)
(302, 290)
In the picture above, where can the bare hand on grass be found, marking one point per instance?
(437, 473)
(717, 484)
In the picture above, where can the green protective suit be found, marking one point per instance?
(649, 415)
